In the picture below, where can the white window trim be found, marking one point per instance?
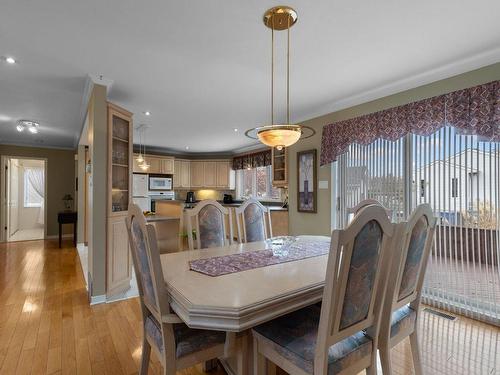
(254, 188)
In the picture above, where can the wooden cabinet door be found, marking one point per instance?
(178, 173)
(167, 166)
(136, 168)
(119, 263)
(155, 164)
(197, 173)
(210, 174)
(185, 174)
(223, 174)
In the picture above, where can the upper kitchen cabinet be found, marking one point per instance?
(157, 165)
(182, 174)
(280, 167)
(197, 174)
(210, 171)
(119, 159)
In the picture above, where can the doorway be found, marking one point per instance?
(24, 199)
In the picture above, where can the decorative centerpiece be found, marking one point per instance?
(68, 202)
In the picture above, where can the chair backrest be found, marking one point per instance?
(355, 281)
(251, 221)
(147, 265)
(352, 211)
(413, 241)
(210, 225)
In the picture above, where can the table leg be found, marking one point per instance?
(60, 230)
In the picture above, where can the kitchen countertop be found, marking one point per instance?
(155, 218)
(272, 206)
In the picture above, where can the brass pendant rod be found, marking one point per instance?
(288, 74)
(272, 72)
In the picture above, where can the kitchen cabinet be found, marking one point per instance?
(182, 173)
(157, 165)
(210, 174)
(167, 165)
(197, 174)
(120, 165)
(223, 171)
(280, 167)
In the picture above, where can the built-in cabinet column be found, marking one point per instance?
(120, 164)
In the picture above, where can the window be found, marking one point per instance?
(31, 196)
(256, 182)
(454, 187)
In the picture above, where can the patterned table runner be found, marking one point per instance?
(223, 265)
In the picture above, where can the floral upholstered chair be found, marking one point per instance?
(331, 338)
(253, 221)
(176, 345)
(413, 241)
(353, 211)
(213, 225)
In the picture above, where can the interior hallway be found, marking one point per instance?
(48, 327)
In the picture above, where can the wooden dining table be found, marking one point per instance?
(238, 301)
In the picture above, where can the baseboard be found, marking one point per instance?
(55, 236)
(96, 300)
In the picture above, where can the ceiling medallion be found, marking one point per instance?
(280, 135)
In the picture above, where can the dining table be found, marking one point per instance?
(246, 294)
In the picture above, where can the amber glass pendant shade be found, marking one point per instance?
(279, 136)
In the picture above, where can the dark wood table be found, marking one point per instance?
(67, 217)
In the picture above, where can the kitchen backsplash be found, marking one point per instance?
(205, 194)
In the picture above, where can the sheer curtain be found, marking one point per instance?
(37, 180)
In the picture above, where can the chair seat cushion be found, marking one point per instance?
(403, 319)
(293, 336)
(187, 340)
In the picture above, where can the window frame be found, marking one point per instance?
(269, 185)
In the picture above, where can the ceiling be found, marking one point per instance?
(202, 68)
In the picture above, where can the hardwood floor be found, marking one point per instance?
(48, 327)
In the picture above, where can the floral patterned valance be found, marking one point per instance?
(475, 110)
(257, 159)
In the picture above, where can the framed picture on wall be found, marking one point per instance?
(307, 181)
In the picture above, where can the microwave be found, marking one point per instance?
(160, 183)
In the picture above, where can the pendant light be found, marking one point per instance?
(280, 135)
(141, 158)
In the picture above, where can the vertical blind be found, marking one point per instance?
(459, 176)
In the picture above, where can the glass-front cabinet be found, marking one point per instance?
(120, 165)
(119, 159)
(280, 167)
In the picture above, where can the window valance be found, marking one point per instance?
(474, 111)
(254, 160)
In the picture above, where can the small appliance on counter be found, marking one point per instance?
(190, 197)
(228, 198)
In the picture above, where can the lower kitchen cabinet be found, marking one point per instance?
(119, 261)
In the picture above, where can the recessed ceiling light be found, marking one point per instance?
(187, 147)
(235, 129)
(32, 126)
(10, 60)
(147, 113)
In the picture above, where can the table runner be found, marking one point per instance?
(226, 264)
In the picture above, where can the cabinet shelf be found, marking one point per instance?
(120, 139)
(120, 165)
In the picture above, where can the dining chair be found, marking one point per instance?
(211, 220)
(253, 221)
(330, 339)
(413, 241)
(176, 345)
(352, 211)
